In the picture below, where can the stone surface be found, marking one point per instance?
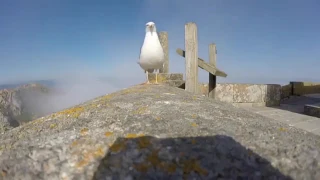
(310, 125)
(255, 94)
(247, 94)
(17, 105)
(163, 77)
(291, 114)
(157, 132)
(302, 88)
(225, 92)
(272, 94)
(286, 91)
(312, 110)
(177, 83)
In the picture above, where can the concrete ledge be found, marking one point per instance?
(175, 83)
(301, 88)
(286, 91)
(248, 94)
(164, 77)
(244, 105)
(244, 94)
(312, 110)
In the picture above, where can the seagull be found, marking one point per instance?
(151, 53)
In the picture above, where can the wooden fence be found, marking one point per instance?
(192, 61)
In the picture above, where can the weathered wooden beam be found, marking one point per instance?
(203, 65)
(191, 46)
(212, 78)
(163, 37)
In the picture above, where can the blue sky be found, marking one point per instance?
(257, 41)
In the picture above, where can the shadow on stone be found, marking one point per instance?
(216, 157)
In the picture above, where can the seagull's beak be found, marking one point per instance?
(151, 29)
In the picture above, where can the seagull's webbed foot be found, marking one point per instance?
(147, 77)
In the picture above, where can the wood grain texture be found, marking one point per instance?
(212, 78)
(191, 56)
(203, 65)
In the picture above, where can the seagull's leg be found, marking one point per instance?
(147, 77)
(156, 77)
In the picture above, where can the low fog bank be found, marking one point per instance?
(71, 91)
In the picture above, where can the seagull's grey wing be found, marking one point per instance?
(139, 55)
(140, 52)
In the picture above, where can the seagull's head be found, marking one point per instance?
(151, 27)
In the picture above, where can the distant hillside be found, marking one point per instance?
(48, 83)
(16, 105)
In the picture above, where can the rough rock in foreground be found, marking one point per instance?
(157, 132)
(17, 105)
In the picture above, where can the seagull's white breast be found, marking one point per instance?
(151, 55)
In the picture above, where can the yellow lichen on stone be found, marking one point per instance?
(142, 167)
(282, 129)
(74, 143)
(118, 146)
(193, 141)
(53, 125)
(194, 124)
(144, 142)
(106, 98)
(158, 118)
(3, 173)
(153, 161)
(84, 131)
(87, 157)
(131, 90)
(153, 158)
(168, 167)
(36, 121)
(194, 116)
(157, 96)
(99, 152)
(193, 165)
(73, 112)
(93, 105)
(130, 136)
(108, 134)
(83, 162)
(140, 110)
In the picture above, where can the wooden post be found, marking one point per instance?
(163, 37)
(191, 56)
(212, 78)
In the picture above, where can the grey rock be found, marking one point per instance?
(18, 105)
(163, 133)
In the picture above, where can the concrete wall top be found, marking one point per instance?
(267, 94)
